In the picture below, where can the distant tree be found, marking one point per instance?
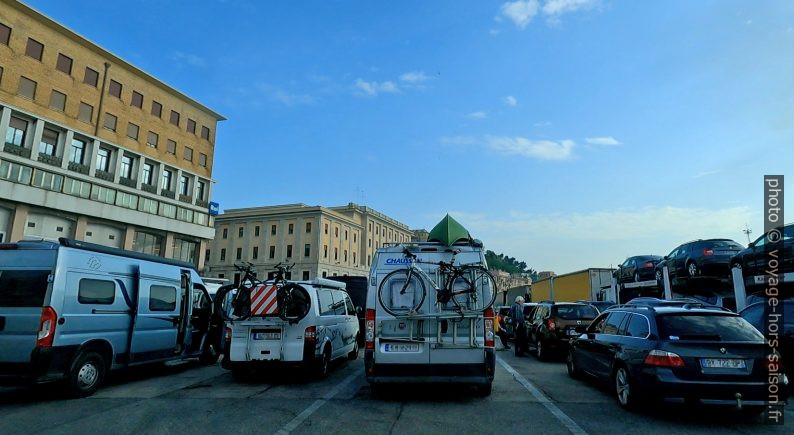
(509, 264)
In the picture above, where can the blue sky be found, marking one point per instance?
(567, 133)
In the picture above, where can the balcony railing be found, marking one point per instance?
(103, 175)
(186, 198)
(149, 188)
(77, 167)
(202, 203)
(168, 193)
(17, 150)
(50, 159)
(129, 182)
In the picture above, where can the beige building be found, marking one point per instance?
(96, 149)
(321, 241)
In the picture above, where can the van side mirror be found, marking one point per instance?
(359, 310)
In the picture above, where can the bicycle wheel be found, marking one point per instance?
(222, 302)
(473, 289)
(241, 303)
(401, 292)
(293, 302)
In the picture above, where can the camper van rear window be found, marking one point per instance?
(162, 298)
(95, 291)
(23, 288)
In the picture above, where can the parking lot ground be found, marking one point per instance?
(190, 398)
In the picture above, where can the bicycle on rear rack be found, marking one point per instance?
(470, 287)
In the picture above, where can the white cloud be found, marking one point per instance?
(520, 12)
(292, 99)
(478, 115)
(538, 149)
(555, 8)
(190, 59)
(413, 77)
(511, 101)
(704, 174)
(373, 88)
(459, 140)
(604, 140)
(542, 124)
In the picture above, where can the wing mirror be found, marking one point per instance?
(359, 310)
(751, 245)
(664, 258)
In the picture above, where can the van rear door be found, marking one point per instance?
(24, 276)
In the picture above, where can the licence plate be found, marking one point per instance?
(722, 363)
(400, 347)
(572, 332)
(267, 336)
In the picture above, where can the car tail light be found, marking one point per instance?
(227, 335)
(8, 246)
(550, 325)
(47, 324)
(775, 366)
(661, 358)
(310, 334)
(648, 264)
(488, 327)
(369, 326)
(708, 252)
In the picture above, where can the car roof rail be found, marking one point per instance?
(618, 306)
(547, 302)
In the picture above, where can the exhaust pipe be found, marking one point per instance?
(738, 397)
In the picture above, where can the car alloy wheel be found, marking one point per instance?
(692, 268)
(636, 277)
(623, 387)
(659, 277)
(571, 366)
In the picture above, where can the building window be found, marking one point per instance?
(206, 256)
(5, 34)
(255, 254)
(174, 118)
(354, 258)
(77, 151)
(345, 255)
(336, 254)
(57, 101)
(345, 234)
(47, 180)
(170, 147)
(147, 243)
(103, 159)
(167, 175)
(256, 231)
(239, 253)
(368, 260)
(151, 139)
(184, 184)
(325, 251)
(202, 161)
(26, 88)
(200, 188)
(34, 49)
(205, 133)
(240, 232)
(148, 173)
(307, 250)
(15, 134)
(185, 250)
(157, 109)
(191, 126)
(223, 254)
(273, 230)
(188, 154)
(305, 275)
(225, 233)
(336, 232)
(49, 141)
(114, 89)
(91, 77)
(64, 64)
(354, 237)
(290, 229)
(369, 243)
(14, 172)
(77, 188)
(289, 251)
(326, 228)
(132, 131)
(136, 100)
(272, 252)
(110, 121)
(126, 166)
(85, 113)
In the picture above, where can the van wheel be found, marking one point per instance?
(354, 353)
(322, 366)
(540, 351)
(87, 374)
(484, 390)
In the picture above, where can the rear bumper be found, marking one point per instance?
(714, 266)
(47, 364)
(475, 374)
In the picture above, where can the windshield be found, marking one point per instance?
(23, 288)
(576, 312)
(709, 327)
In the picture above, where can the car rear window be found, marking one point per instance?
(23, 288)
(722, 244)
(710, 327)
(573, 312)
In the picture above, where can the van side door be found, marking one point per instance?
(158, 320)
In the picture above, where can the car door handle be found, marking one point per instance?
(172, 319)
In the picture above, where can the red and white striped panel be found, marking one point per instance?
(263, 300)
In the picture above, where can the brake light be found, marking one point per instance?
(369, 326)
(310, 334)
(661, 358)
(227, 335)
(8, 246)
(47, 324)
(550, 325)
(775, 366)
(648, 264)
(488, 327)
(708, 252)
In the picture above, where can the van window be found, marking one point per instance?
(326, 302)
(350, 308)
(162, 298)
(23, 288)
(339, 303)
(96, 291)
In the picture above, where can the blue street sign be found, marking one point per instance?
(214, 208)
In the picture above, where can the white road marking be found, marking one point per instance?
(300, 418)
(544, 400)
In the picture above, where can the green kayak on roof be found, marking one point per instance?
(449, 231)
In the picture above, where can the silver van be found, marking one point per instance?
(435, 343)
(71, 311)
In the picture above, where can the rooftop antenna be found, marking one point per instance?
(747, 231)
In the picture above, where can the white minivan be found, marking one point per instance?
(329, 331)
